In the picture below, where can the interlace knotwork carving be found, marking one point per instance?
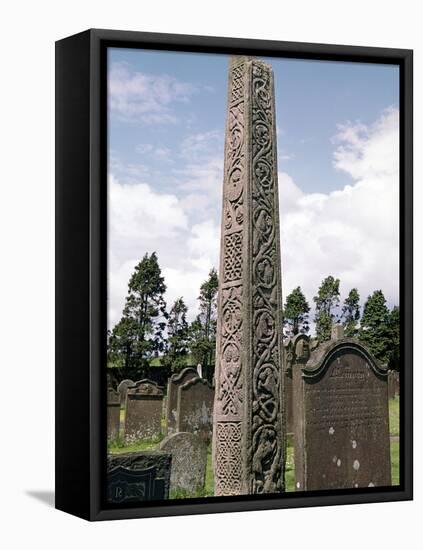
(228, 458)
(267, 436)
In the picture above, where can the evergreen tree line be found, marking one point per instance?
(149, 330)
(376, 326)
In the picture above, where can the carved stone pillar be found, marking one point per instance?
(248, 439)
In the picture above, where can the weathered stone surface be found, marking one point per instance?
(341, 421)
(123, 388)
(249, 434)
(288, 356)
(143, 411)
(113, 414)
(195, 408)
(175, 381)
(140, 476)
(189, 460)
(337, 332)
(393, 384)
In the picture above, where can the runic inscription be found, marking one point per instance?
(248, 411)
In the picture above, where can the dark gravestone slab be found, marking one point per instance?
(341, 421)
(175, 381)
(123, 389)
(393, 384)
(143, 411)
(137, 477)
(113, 414)
(189, 460)
(195, 408)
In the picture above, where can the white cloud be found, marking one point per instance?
(196, 146)
(201, 178)
(147, 149)
(142, 221)
(140, 97)
(369, 151)
(351, 233)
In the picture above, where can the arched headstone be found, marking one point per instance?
(143, 411)
(341, 419)
(175, 381)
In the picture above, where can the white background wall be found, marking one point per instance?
(28, 32)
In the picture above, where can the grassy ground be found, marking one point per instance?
(149, 444)
(394, 416)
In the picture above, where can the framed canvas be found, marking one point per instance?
(233, 274)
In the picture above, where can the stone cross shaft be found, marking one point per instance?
(248, 426)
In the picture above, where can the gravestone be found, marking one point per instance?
(189, 461)
(296, 351)
(123, 388)
(143, 411)
(113, 414)
(175, 381)
(393, 384)
(248, 426)
(341, 420)
(195, 408)
(288, 356)
(137, 477)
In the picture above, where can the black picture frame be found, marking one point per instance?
(81, 275)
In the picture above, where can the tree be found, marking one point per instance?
(295, 312)
(203, 328)
(351, 313)
(176, 354)
(394, 334)
(139, 334)
(375, 329)
(327, 300)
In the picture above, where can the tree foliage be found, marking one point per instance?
(394, 333)
(375, 332)
(327, 302)
(175, 357)
(203, 328)
(138, 336)
(351, 313)
(295, 313)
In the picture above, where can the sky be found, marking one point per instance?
(338, 172)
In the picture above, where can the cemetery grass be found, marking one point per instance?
(394, 416)
(118, 446)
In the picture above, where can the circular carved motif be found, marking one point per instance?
(265, 326)
(261, 133)
(234, 184)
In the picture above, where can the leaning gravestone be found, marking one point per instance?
(195, 408)
(113, 414)
(143, 411)
(123, 388)
(175, 381)
(248, 425)
(189, 460)
(341, 420)
(136, 477)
